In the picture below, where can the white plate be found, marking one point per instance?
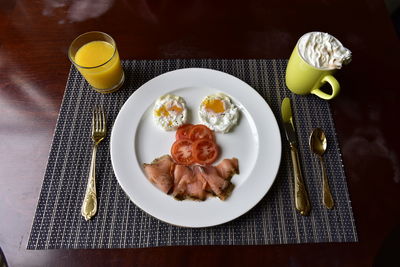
(255, 141)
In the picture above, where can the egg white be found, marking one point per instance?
(223, 121)
(168, 118)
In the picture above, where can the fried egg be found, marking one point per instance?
(218, 113)
(169, 112)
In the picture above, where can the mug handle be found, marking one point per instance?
(334, 84)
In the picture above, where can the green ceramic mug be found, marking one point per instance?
(303, 79)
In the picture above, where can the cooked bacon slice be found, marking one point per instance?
(160, 173)
(227, 168)
(221, 187)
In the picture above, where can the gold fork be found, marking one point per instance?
(99, 132)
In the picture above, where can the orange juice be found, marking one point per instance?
(99, 63)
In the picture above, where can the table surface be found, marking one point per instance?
(34, 39)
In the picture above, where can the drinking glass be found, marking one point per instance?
(95, 55)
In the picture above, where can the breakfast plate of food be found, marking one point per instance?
(195, 147)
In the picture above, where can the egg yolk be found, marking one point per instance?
(176, 109)
(215, 105)
(163, 110)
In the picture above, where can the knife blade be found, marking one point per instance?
(302, 202)
(287, 118)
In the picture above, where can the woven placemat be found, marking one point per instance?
(120, 224)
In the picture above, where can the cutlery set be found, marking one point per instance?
(318, 144)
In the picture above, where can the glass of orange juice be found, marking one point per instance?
(96, 57)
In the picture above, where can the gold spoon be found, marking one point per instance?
(318, 146)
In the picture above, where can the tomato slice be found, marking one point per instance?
(181, 151)
(183, 131)
(205, 151)
(200, 131)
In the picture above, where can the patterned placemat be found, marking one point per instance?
(120, 224)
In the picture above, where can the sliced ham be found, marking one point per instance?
(160, 173)
(227, 168)
(187, 184)
(196, 188)
(195, 182)
(182, 175)
(220, 186)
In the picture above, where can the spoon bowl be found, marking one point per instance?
(318, 142)
(318, 145)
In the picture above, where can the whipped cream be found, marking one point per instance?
(322, 50)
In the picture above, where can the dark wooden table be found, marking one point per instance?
(35, 35)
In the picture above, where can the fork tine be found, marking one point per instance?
(99, 126)
(93, 120)
(98, 120)
(103, 120)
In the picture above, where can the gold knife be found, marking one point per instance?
(302, 202)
